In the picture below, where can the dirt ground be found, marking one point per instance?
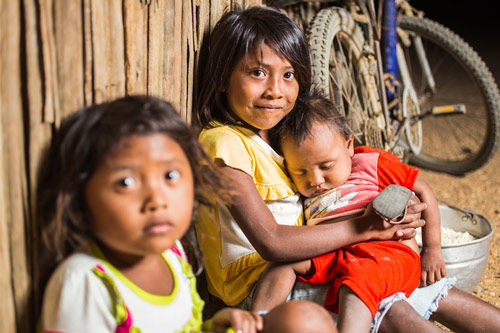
(478, 191)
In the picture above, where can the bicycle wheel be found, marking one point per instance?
(341, 72)
(454, 143)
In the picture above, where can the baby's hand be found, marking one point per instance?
(239, 320)
(433, 266)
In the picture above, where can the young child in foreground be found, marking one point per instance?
(117, 195)
(340, 180)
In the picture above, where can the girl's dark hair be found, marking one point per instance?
(236, 35)
(298, 125)
(83, 140)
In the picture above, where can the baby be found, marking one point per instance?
(339, 180)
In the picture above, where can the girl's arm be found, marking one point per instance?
(276, 242)
(433, 266)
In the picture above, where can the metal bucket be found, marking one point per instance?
(466, 261)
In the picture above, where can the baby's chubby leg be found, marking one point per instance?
(299, 316)
(276, 283)
(354, 315)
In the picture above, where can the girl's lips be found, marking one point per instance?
(157, 228)
(269, 107)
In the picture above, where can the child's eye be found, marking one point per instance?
(326, 166)
(289, 75)
(173, 176)
(258, 72)
(126, 182)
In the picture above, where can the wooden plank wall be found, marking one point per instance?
(59, 55)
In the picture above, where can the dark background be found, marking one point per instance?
(476, 21)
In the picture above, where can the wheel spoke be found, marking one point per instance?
(347, 68)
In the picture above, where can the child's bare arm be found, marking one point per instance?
(433, 266)
(276, 242)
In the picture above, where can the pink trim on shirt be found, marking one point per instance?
(175, 250)
(126, 325)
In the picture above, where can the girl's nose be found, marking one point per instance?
(156, 199)
(273, 89)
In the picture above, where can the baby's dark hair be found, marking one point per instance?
(236, 35)
(82, 142)
(298, 125)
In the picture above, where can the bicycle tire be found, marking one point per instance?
(455, 144)
(342, 73)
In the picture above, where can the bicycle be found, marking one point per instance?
(388, 68)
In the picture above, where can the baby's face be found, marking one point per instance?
(321, 162)
(140, 198)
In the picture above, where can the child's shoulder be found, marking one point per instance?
(217, 129)
(78, 261)
(76, 266)
(226, 137)
(75, 298)
(74, 279)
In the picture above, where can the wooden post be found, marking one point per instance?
(136, 46)
(15, 281)
(108, 57)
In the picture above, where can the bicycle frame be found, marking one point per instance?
(392, 68)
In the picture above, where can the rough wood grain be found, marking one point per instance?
(136, 46)
(187, 66)
(15, 282)
(51, 95)
(88, 69)
(39, 131)
(108, 49)
(69, 55)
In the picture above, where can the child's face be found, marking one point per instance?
(261, 91)
(141, 197)
(321, 162)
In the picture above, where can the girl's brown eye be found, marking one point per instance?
(258, 72)
(289, 75)
(173, 176)
(126, 182)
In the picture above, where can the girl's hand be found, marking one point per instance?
(239, 320)
(405, 230)
(433, 266)
(413, 218)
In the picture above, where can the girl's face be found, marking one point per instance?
(141, 197)
(321, 162)
(262, 89)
